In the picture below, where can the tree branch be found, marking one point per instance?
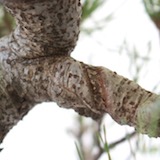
(126, 137)
(35, 66)
(49, 27)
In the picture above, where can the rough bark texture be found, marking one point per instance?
(44, 28)
(35, 67)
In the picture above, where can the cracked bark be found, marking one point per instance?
(35, 67)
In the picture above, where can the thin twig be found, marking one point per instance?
(128, 136)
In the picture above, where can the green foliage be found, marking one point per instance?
(7, 23)
(137, 61)
(104, 142)
(89, 7)
(152, 7)
(153, 10)
(79, 152)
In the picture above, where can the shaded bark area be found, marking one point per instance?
(13, 107)
(35, 67)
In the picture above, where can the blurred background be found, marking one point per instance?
(123, 36)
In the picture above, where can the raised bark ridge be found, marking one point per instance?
(35, 66)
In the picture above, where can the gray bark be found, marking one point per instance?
(35, 67)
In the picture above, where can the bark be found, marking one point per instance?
(35, 67)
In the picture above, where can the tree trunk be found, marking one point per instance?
(35, 67)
